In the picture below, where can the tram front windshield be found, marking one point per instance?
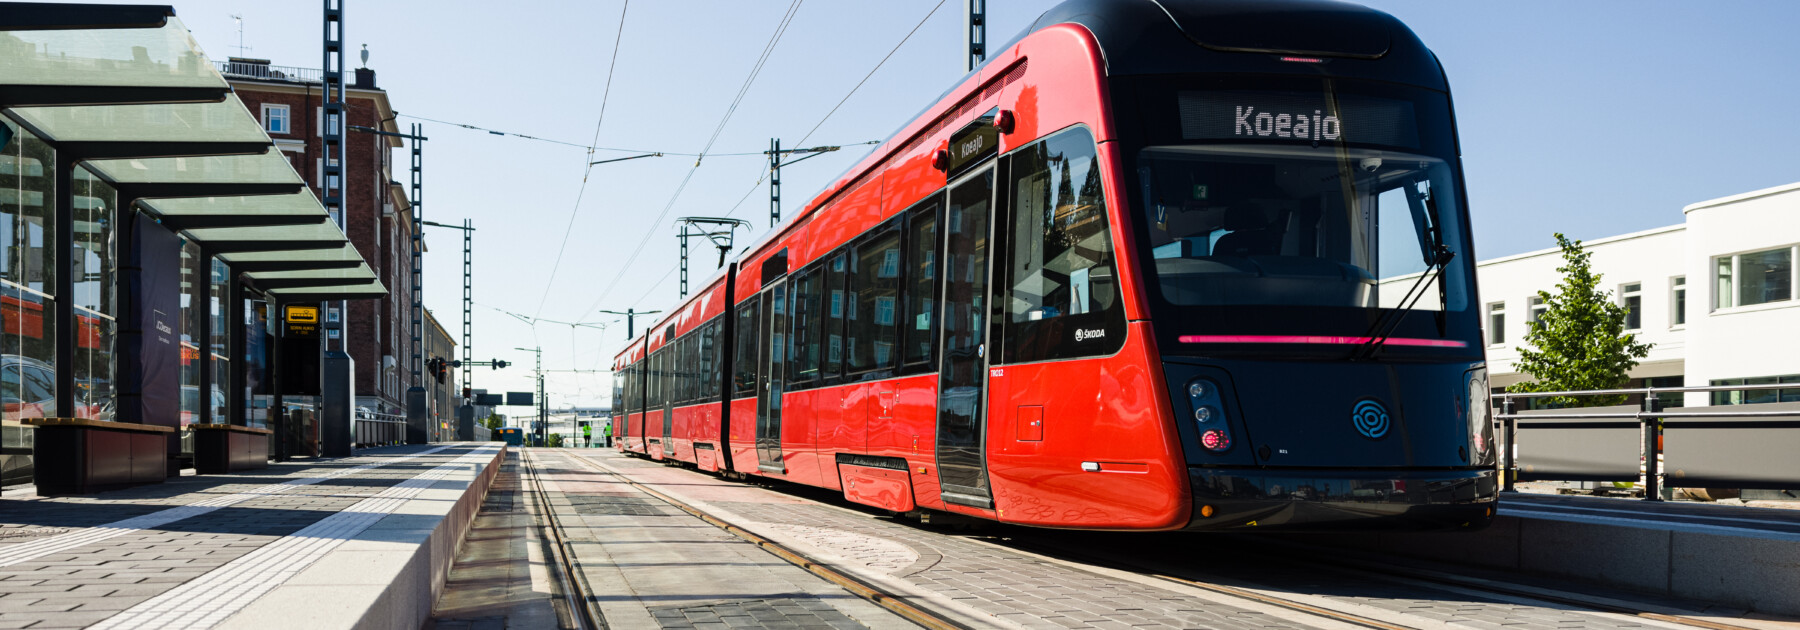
(1300, 194)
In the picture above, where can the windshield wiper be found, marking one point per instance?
(1431, 238)
(1384, 327)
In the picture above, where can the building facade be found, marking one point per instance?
(378, 214)
(442, 394)
(1715, 296)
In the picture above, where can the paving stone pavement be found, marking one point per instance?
(787, 613)
(96, 579)
(1027, 590)
(651, 565)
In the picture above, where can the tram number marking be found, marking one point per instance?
(996, 372)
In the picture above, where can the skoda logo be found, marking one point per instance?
(1370, 418)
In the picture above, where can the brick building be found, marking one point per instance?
(441, 390)
(287, 101)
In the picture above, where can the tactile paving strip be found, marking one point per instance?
(22, 552)
(209, 599)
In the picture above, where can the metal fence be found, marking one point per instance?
(378, 429)
(483, 434)
(1746, 446)
(267, 72)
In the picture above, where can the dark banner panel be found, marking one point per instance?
(149, 352)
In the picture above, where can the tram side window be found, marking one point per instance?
(803, 353)
(874, 295)
(1062, 299)
(704, 354)
(684, 369)
(744, 368)
(920, 325)
(837, 308)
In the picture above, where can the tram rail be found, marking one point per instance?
(579, 606)
(897, 604)
(1361, 566)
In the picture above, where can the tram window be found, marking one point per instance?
(1062, 290)
(744, 368)
(618, 383)
(803, 356)
(708, 357)
(836, 303)
(874, 294)
(920, 329)
(688, 360)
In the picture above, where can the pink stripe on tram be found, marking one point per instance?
(1321, 339)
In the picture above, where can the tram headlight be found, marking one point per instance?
(1479, 411)
(1209, 410)
(1216, 440)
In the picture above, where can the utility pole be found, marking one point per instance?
(775, 154)
(722, 239)
(977, 36)
(468, 322)
(543, 420)
(631, 319)
(415, 394)
(337, 368)
(465, 413)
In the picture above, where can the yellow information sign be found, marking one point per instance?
(302, 314)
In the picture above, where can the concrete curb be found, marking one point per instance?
(391, 575)
(1677, 560)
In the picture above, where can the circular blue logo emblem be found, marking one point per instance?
(1370, 418)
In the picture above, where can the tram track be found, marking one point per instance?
(580, 609)
(1356, 568)
(892, 602)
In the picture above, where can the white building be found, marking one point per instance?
(1715, 295)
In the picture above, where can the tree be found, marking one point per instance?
(556, 440)
(493, 421)
(1579, 342)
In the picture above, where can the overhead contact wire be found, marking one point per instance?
(582, 191)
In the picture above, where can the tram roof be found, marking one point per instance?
(126, 92)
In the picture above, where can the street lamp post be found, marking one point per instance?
(542, 419)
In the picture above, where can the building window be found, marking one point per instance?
(1496, 323)
(1754, 278)
(275, 118)
(1669, 399)
(1536, 312)
(1755, 396)
(1631, 297)
(1678, 301)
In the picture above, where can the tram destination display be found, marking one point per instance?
(1297, 116)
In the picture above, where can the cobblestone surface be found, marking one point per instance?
(92, 581)
(773, 614)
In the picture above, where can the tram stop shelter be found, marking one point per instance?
(141, 206)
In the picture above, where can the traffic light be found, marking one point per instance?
(500, 364)
(468, 392)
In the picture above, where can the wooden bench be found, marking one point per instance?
(223, 448)
(85, 456)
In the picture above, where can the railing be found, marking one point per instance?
(1748, 446)
(267, 72)
(379, 429)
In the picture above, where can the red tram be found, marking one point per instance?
(1156, 265)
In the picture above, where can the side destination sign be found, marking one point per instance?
(973, 143)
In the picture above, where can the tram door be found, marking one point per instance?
(671, 358)
(772, 326)
(962, 368)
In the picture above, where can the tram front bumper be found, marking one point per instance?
(1339, 500)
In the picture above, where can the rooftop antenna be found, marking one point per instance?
(240, 28)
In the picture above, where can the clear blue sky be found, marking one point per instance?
(1591, 118)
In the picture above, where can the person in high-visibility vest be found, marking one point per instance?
(606, 432)
(587, 435)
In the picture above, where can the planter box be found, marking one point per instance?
(81, 456)
(223, 448)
